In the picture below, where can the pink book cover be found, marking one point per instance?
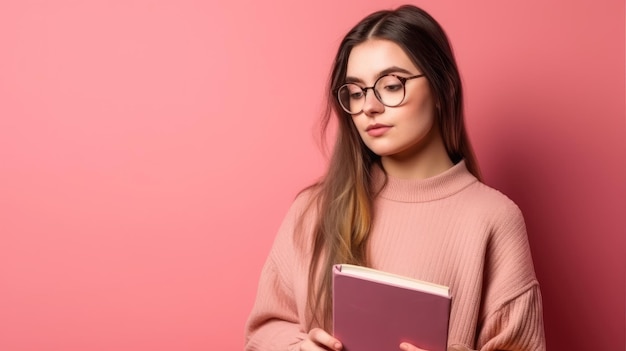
(371, 315)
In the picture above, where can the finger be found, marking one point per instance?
(405, 346)
(310, 345)
(321, 337)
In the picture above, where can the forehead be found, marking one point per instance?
(373, 56)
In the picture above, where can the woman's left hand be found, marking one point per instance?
(405, 346)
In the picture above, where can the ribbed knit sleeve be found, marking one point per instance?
(276, 320)
(273, 323)
(511, 309)
(518, 325)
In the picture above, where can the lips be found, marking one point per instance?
(375, 126)
(377, 129)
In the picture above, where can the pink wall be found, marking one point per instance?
(149, 149)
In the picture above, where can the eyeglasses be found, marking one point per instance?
(388, 89)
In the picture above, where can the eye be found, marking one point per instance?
(356, 95)
(393, 87)
(354, 92)
(389, 84)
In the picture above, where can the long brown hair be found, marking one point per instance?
(344, 198)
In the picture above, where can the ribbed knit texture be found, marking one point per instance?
(449, 229)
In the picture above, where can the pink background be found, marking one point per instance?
(149, 150)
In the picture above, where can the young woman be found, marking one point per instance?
(402, 194)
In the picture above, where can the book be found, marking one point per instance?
(375, 310)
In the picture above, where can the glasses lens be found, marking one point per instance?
(351, 98)
(390, 90)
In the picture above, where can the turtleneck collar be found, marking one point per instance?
(438, 187)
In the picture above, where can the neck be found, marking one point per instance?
(426, 160)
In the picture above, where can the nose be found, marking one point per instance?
(372, 106)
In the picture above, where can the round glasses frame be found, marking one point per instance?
(402, 81)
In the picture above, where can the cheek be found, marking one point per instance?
(359, 124)
(424, 109)
(422, 98)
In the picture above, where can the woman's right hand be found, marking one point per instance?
(319, 340)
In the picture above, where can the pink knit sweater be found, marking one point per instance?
(450, 229)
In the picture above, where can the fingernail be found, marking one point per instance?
(337, 346)
(404, 346)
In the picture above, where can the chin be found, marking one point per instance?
(384, 153)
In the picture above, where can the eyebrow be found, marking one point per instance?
(393, 69)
